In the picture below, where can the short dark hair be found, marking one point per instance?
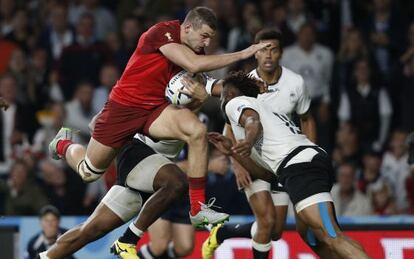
(246, 84)
(201, 15)
(49, 209)
(268, 34)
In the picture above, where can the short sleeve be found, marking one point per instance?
(304, 101)
(236, 106)
(161, 34)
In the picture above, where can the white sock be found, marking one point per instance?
(43, 255)
(261, 247)
(136, 230)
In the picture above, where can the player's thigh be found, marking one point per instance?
(175, 123)
(160, 234)
(320, 219)
(183, 238)
(100, 155)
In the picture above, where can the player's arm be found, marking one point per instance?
(308, 126)
(224, 144)
(184, 57)
(250, 121)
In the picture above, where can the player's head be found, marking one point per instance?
(268, 58)
(199, 28)
(238, 84)
(49, 220)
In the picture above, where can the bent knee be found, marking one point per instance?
(199, 132)
(184, 249)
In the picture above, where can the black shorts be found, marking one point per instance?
(129, 156)
(178, 213)
(303, 180)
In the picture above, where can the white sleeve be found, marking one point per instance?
(344, 111)
(210, 82)
(385, 107)
(304, 101)
(236, 106)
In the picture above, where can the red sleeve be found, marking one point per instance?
(161, 34)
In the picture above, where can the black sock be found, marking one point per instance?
(129, 237)
(260, 255)
(234, 230)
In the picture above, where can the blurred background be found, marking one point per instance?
(60, 59)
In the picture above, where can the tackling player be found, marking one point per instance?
(302, 167)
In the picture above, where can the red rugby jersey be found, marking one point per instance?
(148, 72)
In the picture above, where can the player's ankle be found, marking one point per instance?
(62, 146)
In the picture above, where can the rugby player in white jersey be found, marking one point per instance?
(303, 168)
(286, 94)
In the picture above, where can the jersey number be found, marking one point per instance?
(292, 127)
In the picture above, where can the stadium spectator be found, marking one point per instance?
(79, 111)
(382, 198)
(296, 15)
(395, 169)
(108, 77)
(314, 63)
(7, 10)
(51, 120)
(58, 34)
(17, 123)
(64, 189)
(23, 197)
(104, 19)
(384, 28)
(406, 97)
(366, 105)
(371, 170)
(130, 32)
(280, 22)
(22, 33)
(83, 59)
(349, 201)
(49, 217)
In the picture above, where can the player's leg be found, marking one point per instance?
(160, 233)
(309, 238)
(321, 220)
(260, 231)
(281, 202)
(182, 240)
(117, 207)
(182, 124)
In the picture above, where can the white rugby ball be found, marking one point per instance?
(171, 91)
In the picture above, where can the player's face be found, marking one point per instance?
(229, 92)
(268, 58)
(198, 39)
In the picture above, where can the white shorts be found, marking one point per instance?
(141, 177)
(279, 198)
(124, 202)
(314, 199)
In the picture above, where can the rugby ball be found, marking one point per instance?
(172, 93)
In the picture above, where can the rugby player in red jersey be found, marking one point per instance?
(137, 104)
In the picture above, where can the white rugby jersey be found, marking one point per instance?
(168, 148)
(288, 95)
(280, 135)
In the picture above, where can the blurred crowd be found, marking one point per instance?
(60, 59)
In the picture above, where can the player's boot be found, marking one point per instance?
(124, 250)
(207, 216)
(210, 244)
(64, 133)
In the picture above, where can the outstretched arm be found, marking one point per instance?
(184, 57)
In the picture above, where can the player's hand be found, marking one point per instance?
(243, 178)
(250, 51)
(193, 88)
(243, 148)
(222, 143)
(263, 87)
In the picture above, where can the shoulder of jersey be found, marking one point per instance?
(291, 74)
